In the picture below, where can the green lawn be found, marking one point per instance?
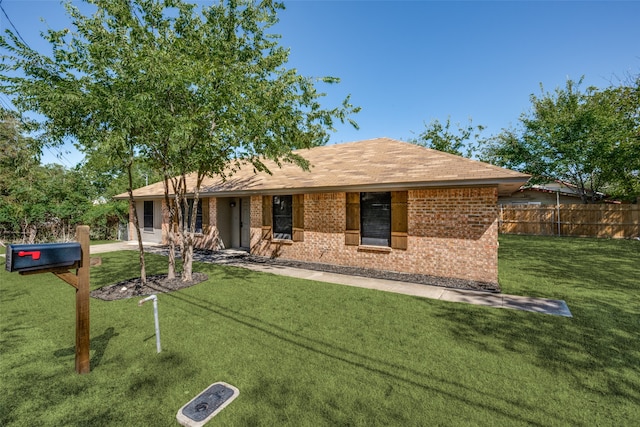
(306, 353)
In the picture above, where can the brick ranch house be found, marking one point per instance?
(380, 204)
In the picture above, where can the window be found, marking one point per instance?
(148, 215)
(282, 217)
(186, 216)
(375, 219)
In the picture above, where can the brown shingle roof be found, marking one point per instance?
(380, 164)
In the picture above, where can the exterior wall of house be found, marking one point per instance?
(132, 227)
(451, 233)
(537, 197)
(209, 238)
(154, 236)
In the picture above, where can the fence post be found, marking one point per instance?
(558, 207)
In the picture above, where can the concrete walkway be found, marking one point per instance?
(538, 305)
(119, 246)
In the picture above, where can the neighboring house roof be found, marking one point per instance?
(564, 188)
(567, 191)
(380, 164)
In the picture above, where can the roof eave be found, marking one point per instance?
(514, 183)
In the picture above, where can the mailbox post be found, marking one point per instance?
(59, 259)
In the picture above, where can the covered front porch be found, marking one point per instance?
(233, 221)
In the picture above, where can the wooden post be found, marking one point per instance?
(558, 208)
(80, 281)
(82, 303)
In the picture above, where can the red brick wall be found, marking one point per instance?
(456, 231)
(452, 233)
(209, 238)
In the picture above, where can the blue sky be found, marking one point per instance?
(407, 63)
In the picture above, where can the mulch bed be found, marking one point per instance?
(155, 284)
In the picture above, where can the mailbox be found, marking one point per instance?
(46, 256)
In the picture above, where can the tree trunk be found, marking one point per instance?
(187, 260)
(187, 253)
(136, 223)
(171, 269)
(179, 196)
(187, 246)
(32, 231)
(187, 256)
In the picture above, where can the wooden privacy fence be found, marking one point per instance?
(615, 221)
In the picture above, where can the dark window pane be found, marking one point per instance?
(186, 217)
(199, 217)
(282, 217)
(148, 215)
(375, 218)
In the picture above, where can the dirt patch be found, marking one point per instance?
(155, 284)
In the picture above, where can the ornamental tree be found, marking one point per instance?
(442, 137)
(586, 138)
(202, 90)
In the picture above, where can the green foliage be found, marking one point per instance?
(38, 202)
(19, 152)
(45, 203)
(42, 203)
(103, 218)
(441, 137)
(623, 171)
(190, 89)
(109, 180)
(310, 353)
(587, 138)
